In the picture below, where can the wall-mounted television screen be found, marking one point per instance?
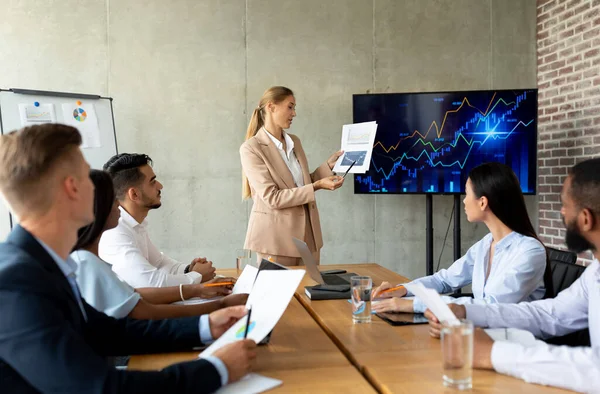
(428, 142)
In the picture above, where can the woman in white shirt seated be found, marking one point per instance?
(508, 265)
(103, 290)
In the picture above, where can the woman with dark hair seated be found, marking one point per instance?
(102, 289)
(508, 265)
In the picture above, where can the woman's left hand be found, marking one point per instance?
(333, 158)
(394, 304)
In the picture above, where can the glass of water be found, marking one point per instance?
(243, 257)
(457, 354)
(361, 298)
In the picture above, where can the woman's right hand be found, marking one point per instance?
(329, 183)
(209, 292)
(377, 293)
(435, 327)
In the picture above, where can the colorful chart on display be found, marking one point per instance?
(79, 114)
(428, 142)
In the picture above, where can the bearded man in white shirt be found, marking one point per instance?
(575, 308)
(128, 247)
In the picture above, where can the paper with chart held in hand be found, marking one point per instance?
(434, 302)
(357, 144)
(268, 299)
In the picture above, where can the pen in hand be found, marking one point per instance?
(217, 284)
(389, 290)
(346, 173)
(247, 323)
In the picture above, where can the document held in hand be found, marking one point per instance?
(434, 302)
(268, 299)
(357, 144)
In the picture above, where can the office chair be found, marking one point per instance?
(565, 271)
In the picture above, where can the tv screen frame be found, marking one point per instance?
(458, 92)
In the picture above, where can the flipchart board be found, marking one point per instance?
(91, 114)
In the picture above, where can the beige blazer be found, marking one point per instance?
(278, 211)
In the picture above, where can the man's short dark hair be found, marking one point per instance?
(27, 156)
(585, 185)
(124, 169)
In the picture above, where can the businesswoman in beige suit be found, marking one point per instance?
(276, 176)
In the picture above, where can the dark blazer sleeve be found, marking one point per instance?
(43, 347)
(121, 337)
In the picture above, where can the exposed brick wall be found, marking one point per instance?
(568, 58)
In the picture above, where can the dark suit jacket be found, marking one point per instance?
(47, 346)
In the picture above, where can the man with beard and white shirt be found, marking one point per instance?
(128, 247)
(573, 309)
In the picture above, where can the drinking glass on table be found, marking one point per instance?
(243, 257)
(361, 298)
(457, 354)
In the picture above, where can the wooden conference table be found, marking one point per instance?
(316, 348)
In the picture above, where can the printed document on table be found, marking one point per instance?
(268, 299)
(357, 144)
(250, 384)
(516, 335)
(433, 301)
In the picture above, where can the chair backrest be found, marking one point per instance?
(564, 269)
(561, 255)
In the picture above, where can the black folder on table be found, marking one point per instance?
(336, 287)
(330, 286)
(328, 292)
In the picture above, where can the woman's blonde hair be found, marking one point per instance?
(274, 94)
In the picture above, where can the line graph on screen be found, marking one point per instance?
(427, 142)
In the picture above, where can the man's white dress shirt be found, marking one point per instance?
(573, 309)
(136, 260)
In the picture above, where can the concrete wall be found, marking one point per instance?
(185, 74)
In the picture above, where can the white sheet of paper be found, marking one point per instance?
(522, 337)
(357, 144)
(250, 384)
(434, 302)
(197, 300)
(83, 118)
(246, 280)
(268, 299)
(32, 115)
